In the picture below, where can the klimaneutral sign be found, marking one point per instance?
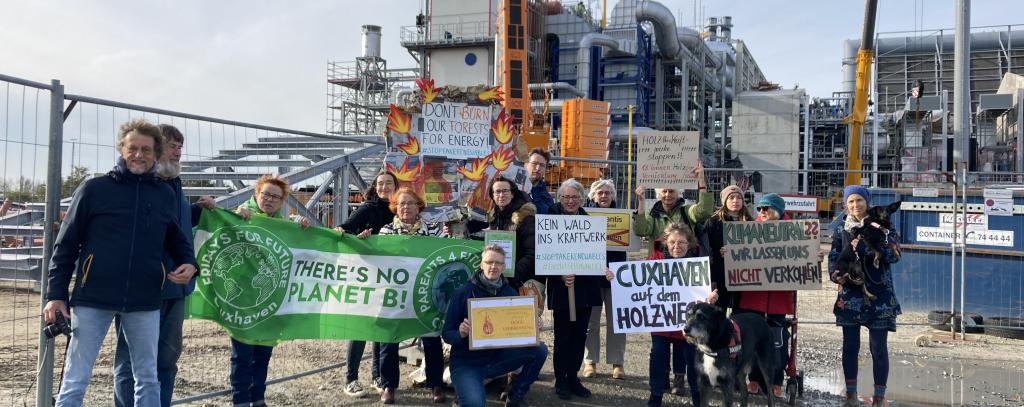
(267, 280)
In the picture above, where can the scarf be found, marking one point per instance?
(849, 223)
(491, 287)
(406, 229)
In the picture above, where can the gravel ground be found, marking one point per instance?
(984, 370)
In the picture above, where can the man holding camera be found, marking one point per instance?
(113, 240)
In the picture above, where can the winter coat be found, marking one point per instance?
(612, 257)
(113, 239)
(588, 288)
(712, 235)
(851, 308)
(767, 302)
(541, 197)
(458, 310)
(373, 215)
(171, 290)
(518, 216)
(651, 225)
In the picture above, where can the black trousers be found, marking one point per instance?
(570, 342)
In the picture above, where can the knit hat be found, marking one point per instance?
(729, 190)
(856, 189)
(773, 201)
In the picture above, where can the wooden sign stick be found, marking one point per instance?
(572, 302)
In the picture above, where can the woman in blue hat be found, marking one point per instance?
(852, 310)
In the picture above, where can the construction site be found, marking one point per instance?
(930, 118)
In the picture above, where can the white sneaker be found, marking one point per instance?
(377, 384)
(355, 389)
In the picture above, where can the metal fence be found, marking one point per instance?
(46, 141)
(49, 138)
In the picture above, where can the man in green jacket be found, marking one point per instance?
(670, 209)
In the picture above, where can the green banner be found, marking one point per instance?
(268, 280)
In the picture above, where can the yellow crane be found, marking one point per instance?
(858, 115)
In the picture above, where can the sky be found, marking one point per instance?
(265, 61)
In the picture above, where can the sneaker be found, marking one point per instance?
(679, 385)
(261, 403)
(753, 388)
(577, 389)
(377, 384)
(589, 370)
(617, 372)
(851, 401)
(877, 401)
(653, 401)
(355, 389)
(777, 391)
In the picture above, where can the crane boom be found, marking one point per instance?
(858, 115)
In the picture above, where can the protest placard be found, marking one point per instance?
(266, 280)
(506, 239)
(620, 228)
(570, 244)
(502, 322)
(652, 295)
(455, 130)
(665, 159)
(772, 255)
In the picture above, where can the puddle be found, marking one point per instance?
(921, 381)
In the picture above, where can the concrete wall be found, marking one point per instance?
(449, 66)
(766, 135)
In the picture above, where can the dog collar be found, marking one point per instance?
(735, 343)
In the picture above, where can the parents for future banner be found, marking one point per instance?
(777, 255)
(266, 280)
(652, 295)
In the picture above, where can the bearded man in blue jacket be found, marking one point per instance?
(112, 241)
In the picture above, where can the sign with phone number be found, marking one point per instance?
(1001, 238)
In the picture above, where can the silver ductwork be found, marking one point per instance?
(583, 58)
(682, 43)
(620, 133)
(558, 86)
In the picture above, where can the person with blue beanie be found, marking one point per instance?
(852, 309)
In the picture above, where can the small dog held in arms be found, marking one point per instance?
(729, 349)
(875, 234)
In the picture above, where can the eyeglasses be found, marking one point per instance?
(408, 203)
(271, 197)
(494, 263)
(502, 191)
(571, 197)
(763, 209)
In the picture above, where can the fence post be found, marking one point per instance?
(51, 220)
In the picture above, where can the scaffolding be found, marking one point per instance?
(358, 94)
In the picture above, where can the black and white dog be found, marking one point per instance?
(875, 234)
(729, 348)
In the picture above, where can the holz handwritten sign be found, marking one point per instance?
(455, 130)
(652, 295)
(665, 159)
(772, 255)
(570, 244)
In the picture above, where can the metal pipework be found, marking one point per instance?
(558, 86)
(583, 59)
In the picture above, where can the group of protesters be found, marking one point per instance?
(127, 242)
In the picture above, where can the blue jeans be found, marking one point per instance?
(172, 316)
(249, 371)
(658, 368)
(90, 325)
(355, 356)
(469, 379)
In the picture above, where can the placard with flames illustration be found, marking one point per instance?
(502, 322)
(450, 144)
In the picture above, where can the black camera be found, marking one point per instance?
(59, 327)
